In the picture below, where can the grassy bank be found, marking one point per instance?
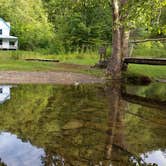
(150, 49)
(88, 58)
(72, 62)
(22, 65)
(147, 70)
(15, 60)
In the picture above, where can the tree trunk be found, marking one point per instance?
(125, 42)
(125, 46)
(120, 41)
(115, 62)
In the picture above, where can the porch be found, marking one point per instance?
(8, 43)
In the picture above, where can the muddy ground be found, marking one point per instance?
(15, 77)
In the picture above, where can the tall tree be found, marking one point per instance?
(127, 15)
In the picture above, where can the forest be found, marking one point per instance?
(68, 26)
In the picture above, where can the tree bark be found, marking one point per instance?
(115, 62)
(125, 43)
(125, 47)
(120, 41)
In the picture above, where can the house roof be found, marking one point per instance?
(8, 37)
(5, 22)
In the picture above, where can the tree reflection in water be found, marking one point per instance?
(85, 124)
(116, 147)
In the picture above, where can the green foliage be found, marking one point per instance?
(141, 13)
(160, 29)
(60, 26)
(150, 49)
(29, 22)
(80, 25)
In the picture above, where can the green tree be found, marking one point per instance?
(80, 24)
(127, 15)
(28, 21)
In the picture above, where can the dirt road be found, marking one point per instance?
(15, 77)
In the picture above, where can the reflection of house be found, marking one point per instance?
(4, 93)
(6, 41)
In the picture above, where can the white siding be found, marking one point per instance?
(6, 38)
(5, 43)
(5, 28)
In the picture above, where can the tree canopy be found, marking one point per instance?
(126, 16)
(78, 25)
(28, 21)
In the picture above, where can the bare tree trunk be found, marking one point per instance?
(115, 62)
(120, 40)
(125, 46)
(125, 43)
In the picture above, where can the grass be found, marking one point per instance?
(147, 70)
(14, 60)
(88, 58)
(21, 65)
(150, 49)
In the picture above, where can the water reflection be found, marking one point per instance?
(4, 93)
(157, 157)
(15, 152)
(84, 125)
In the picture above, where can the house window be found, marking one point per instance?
(0, 31)
(1, 90)
(12, 43)
(1, 42)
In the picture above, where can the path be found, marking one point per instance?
(15, 77)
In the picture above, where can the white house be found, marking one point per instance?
(4, 93)
(7, 42)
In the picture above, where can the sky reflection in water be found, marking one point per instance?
(157, 157)
(14, 152)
